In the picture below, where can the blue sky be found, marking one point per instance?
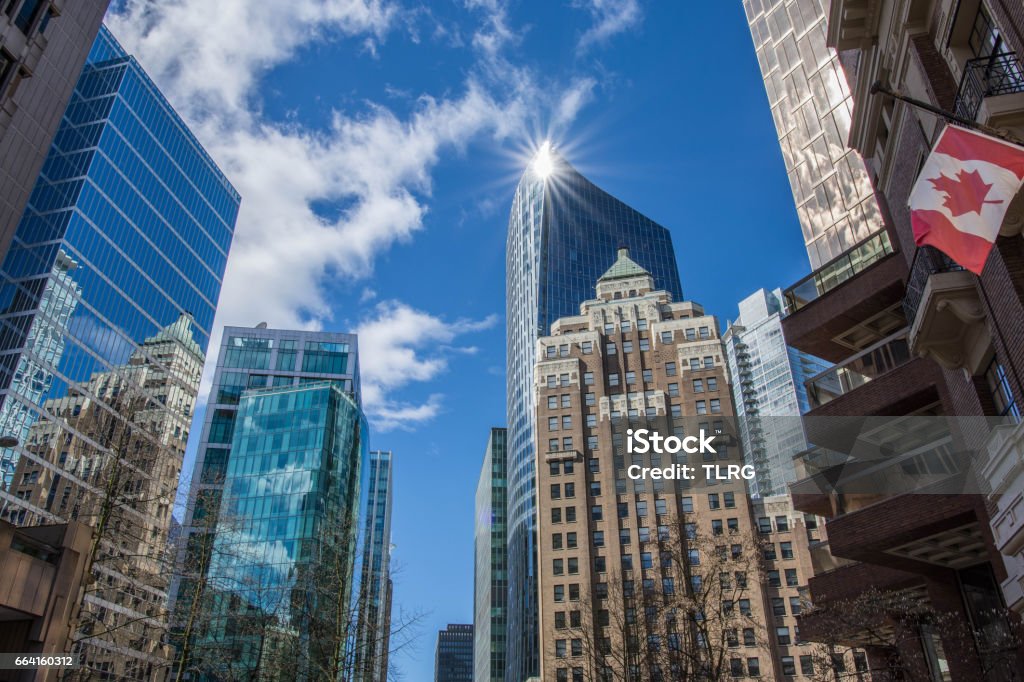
(377, 144)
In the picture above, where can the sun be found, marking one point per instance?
(543, 164)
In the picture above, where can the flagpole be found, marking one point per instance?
(877, 88)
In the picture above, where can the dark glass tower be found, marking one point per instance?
(563, 231)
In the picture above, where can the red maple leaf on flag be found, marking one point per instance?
(965, 193)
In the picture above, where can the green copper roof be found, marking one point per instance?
(180, 331)
(623, 268)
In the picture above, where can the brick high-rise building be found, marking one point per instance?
(625, 564)
(43, 46)
(912, 335)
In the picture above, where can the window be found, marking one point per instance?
(764, 525)
(567, 467)
(566, 400)
(641, 325)
(609, 328)
(666, 337)
(670, 369)
(552, 402)
(567, 443)
(552, 423)
(702, 407)
(598, 538)
(677, 410)
(984, 40)
(551, 381)
(553, 468)
(712, 384)
(782, 523)
(595, 488)
(559, 593)
(753, 667)
(574, 619)
(713, 502)
(609, 348)
(570, 540)
(660, 506)
(592, 443)
(698, 385)
(730, 501)
(613, 379)
(736, 551)
(782, 634)
(1002, 394)
(788, 665)
(769, 553)
(673, 390)
(627, 562)
(588, 378)
(791, 580)
(27, 14)
(708, 361)
(690, 530)
(630, 378)
(691, 335)
(552, 445)
(556, 541)
(560, 648)
(644, 533)
(577, 644)
(745, 607)
(587, 347)
(566, 421)
(778, 606)
(646, 560)
(794, 606)
(596, 512)
(693, 556)
(570, 514)
(556, 491)
(807, 665)
(574, 592)
(645, 344)
(736, 667)
(748, 637)
(648, 376)
(686, 504)
(624, 536)
(733, 525)
(574, 566)
(668, 585)
(860, 661)
(716, 527)
(716, 406)
(787, 549)
(694, 363)
(627, 346)
(570, 490)
(556, 515)
(589, 399)
(563, 379)
(559, 620)
(558, 566)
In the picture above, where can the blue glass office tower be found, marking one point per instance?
(125, 236)
(562, 232)
(281, 572)
(249, 359)
(374, 624)
(490, 574)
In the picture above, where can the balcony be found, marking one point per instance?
(849, 303)
(1003, 471)
(835, 272)
(997, 77)
(858, 370)
(945, 312)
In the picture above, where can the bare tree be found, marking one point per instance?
(897, 627)
(674, 619)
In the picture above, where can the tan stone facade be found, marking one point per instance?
(654, 579)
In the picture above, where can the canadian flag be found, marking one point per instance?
(962, 194)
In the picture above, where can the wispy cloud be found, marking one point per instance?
(400, 345)
(610, 18)
(376, 164)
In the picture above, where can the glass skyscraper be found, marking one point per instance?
(453, 660)
(769, 391)
(562, 232)
(250, 358)
(490, 575)
(107, 299)
(811, 106)
(374, 624)
(280, 577)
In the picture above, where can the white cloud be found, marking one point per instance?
(577, 96)
(399, 345)
(376, 164)
(610, 17)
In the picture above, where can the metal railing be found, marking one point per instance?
(999, 74)
(927, 262)
(838, 270)
(871, 363)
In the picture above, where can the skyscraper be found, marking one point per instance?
(490, 575)
(374, 610)
(278, 594)
(453, 660)
(563, 231)
(249, 358)
(811, 106)
(43, 46)
(107, 297)
(768, 390)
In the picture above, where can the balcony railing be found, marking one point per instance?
(835, 272)
(999, 74)
(927, 262)
(854, 372)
